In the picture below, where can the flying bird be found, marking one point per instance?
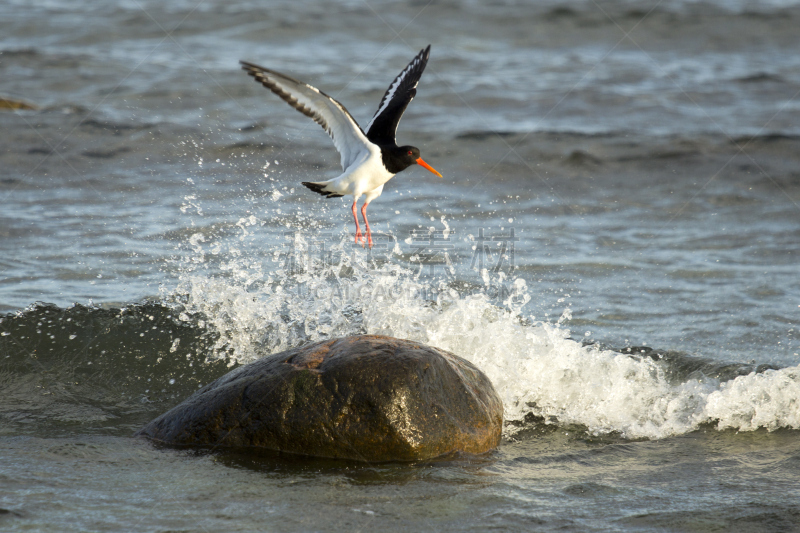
(369, 158)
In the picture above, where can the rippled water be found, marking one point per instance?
(615, 243)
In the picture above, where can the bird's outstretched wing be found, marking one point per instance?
(345, 132)
(383, 126)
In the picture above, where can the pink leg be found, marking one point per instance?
(358, 229)
(366, 223)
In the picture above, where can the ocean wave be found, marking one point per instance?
(538, 368)
(99, 368)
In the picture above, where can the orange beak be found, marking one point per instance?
(426, 165)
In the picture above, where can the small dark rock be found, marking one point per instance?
(367, 398)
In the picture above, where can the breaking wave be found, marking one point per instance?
(539, 370)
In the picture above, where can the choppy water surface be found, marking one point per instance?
(615, 243)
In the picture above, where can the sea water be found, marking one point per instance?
(614, 243)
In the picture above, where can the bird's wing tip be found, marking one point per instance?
(251, 67)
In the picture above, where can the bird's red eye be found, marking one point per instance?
(409, 152)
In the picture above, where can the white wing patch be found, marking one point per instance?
(345, 132)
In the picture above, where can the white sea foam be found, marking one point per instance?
(536, 367)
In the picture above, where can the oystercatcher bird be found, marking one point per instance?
(369, 159)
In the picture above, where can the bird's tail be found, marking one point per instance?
(319, 187)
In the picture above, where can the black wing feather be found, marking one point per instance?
(382, 129)
(320, 188)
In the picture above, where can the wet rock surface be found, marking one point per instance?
(367, 398)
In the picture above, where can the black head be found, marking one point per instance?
(399, 158)
(410, 155)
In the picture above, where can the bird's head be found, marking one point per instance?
(410, 155)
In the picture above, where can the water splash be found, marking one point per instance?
(535, 366)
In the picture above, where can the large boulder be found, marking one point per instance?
(368, 398)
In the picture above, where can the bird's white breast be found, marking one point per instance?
(364, 175)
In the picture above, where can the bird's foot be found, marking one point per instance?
(369, 238)
(359, 237)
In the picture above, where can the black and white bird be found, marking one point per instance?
(369, 159)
